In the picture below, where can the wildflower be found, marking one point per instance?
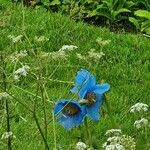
(80, 146)
(122, 142)
(41, 38)
(95, 55)
(21, 72)
(58, 55)
(5, 95)
(141, 123)
(115, 132)
(128, 142)
(100, 41)
(92, 55)
(68, 48)
(114, 139)
(7, 135)
(91, 93)
(139, 107)
(18, 55)
(114, 147)
(71, 113)
(79, 56)
(15, 39)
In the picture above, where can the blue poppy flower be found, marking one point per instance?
(85, 86)
(71, 113)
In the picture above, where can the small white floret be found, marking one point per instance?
(68, 48)
(21, 72)
(141, 123)
(15, 39)
(139, 107)
(7, 135)
(80, 146)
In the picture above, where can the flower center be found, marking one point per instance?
(91, 98)
(71, 109)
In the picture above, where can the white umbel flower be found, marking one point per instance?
(15, 39)
(114, 147)
(100, 41)
(18, 55)
(21, 72)
(95, 55)
(7, 135)
(41, 38)
(141, 123)
(68, 48)
(5, 96)
(113, 132)
(80, 146)
(139, 107)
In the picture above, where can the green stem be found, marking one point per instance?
(88, 132)
(40, 130)
(6, 102)
(54, 132)
(44, 113)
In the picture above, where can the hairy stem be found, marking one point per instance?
(9, 145)
(40, 130)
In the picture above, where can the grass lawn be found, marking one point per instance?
(125, 65)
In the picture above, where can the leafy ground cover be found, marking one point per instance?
(123, 62)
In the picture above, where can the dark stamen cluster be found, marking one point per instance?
(90, 97)
(71, 109)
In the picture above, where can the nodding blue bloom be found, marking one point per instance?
(71, 113)
(85, 86)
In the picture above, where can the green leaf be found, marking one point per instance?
(130, 4)
(55, 2)
(135, 22)
(122, 10)
(147, 30)
(145, 25)
(142, 13)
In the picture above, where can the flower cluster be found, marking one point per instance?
(100, 41)
(139, 107)
(118, 141)
(80, 146)
(91, 97)
(60, 54)
(21, 72)
(143, 122)
(41, 38)
(91, 55)
(15, 39)
(115, 132)
(5, 96)
(7, 135)
(18, 55)
(68, 48)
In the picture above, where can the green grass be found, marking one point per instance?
(125, 67)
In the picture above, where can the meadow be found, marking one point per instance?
(32, 38)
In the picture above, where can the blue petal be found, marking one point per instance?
(59, 106)
(83, 77)
(84, 81)
(100, 88)
(71, 121)
(93, 110)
